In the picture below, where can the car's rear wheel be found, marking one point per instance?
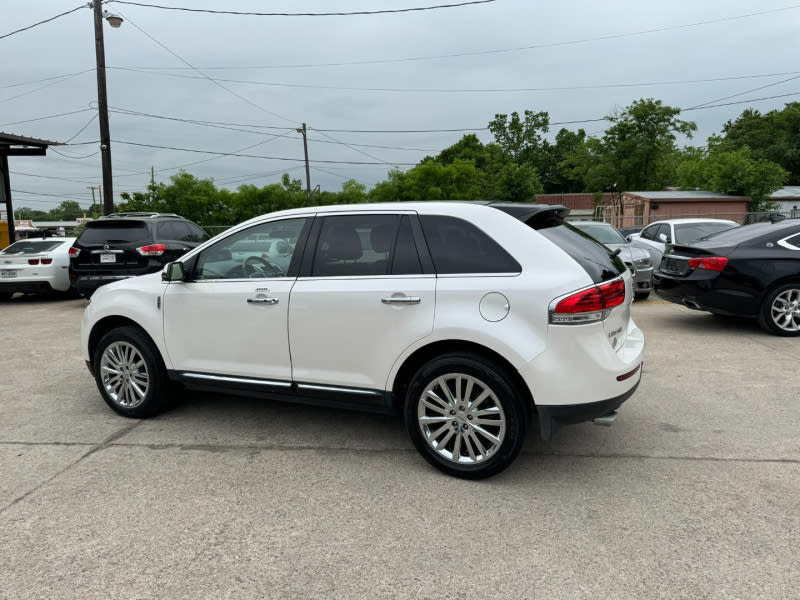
(5, 296)
(641, 295)
(464, 416)
(780, 313)
(130, 373)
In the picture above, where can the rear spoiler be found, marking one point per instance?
(537, 216)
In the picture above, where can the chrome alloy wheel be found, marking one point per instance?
(124, 374)
(785, 310)
(461, 418)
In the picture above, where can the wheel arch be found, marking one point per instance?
(427, 353)
(106, 324)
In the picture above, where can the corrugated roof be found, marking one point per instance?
(10, 138)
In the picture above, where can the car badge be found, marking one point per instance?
(106, 247)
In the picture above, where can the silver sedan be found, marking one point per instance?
(636, 259)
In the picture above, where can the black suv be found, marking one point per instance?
(124, 245)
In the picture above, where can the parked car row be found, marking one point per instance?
(112, 248)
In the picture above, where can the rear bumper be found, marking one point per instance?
(709, 294)
(86, 284)
(551, 418)
(26, 287)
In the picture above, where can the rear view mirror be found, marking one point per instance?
(173, 272)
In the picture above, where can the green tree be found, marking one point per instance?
(29, 214)
(638, 149)
(68, 210)
(774, 136)
(522, 139)
(734, 172)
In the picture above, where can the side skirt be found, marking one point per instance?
(361, 399)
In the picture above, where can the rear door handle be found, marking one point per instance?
(262, 300)
(402, 300)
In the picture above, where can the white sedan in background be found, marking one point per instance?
(657, 235)
(35, 265)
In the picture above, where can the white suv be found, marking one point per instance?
(467, 318)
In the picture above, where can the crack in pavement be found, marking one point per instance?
(94, 448)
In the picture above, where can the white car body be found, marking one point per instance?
(655, 237)
(36, 265)
(349, 340)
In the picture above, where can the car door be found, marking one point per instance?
(648, 240)
(230, 317)
(361, 299)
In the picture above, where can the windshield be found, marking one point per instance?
(26, 247)
(688, 232)
(602, 232)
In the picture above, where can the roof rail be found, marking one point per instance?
(139, 214)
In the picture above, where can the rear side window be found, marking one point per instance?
(596, 259)
(355, 245)
(180, 231)
(25, 247)
(114, 232)
(458, 247)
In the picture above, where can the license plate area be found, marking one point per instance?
(7, 274)
(108, 258)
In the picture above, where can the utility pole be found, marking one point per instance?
(308, 173)
(102, 106)
(93, 188)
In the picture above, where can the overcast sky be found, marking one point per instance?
(369, 72)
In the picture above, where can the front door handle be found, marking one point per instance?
(401, 300)
(262, 300)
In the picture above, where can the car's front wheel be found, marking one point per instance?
(464, 416)
(130, 373)
(780, 313)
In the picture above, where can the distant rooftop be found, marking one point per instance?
(684, 195)
(788, 192)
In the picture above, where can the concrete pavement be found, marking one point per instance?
(692, 493)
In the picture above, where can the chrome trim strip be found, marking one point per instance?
(283, 384)
(786, 244)
(328, 388)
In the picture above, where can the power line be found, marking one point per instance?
(465, 90)
(42, 22)
(74, 112)
(282, 158)
(75, 157)
(81, 130)
(745, 92)
(517, 48)
(47, 85)
(330, 14)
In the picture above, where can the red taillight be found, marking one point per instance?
(33, 261)
(588, 304)
(712, 263)
(47, 261)
(152, 250)
(73, 252)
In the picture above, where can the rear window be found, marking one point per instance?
(26, 247)
(688, 232)
(114, 232)
(603, 233)
(597, 260)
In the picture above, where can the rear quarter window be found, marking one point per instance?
(458, 247)
(598, 261)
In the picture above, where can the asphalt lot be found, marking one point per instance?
(692, 493)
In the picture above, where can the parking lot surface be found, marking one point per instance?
(692, 493)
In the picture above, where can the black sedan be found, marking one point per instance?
(751, 271)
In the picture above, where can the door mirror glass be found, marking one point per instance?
(173, 272)
(662, 237)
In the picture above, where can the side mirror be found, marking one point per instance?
(173, 272)
(662, 237)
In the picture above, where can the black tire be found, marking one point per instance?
(641, 295)
(780, 312)
(455, 451)
(130, 373)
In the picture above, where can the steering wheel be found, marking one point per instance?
(257, 267)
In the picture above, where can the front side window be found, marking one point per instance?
(356, 245)
(259, 252)
(459, 247)
(649, 233)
